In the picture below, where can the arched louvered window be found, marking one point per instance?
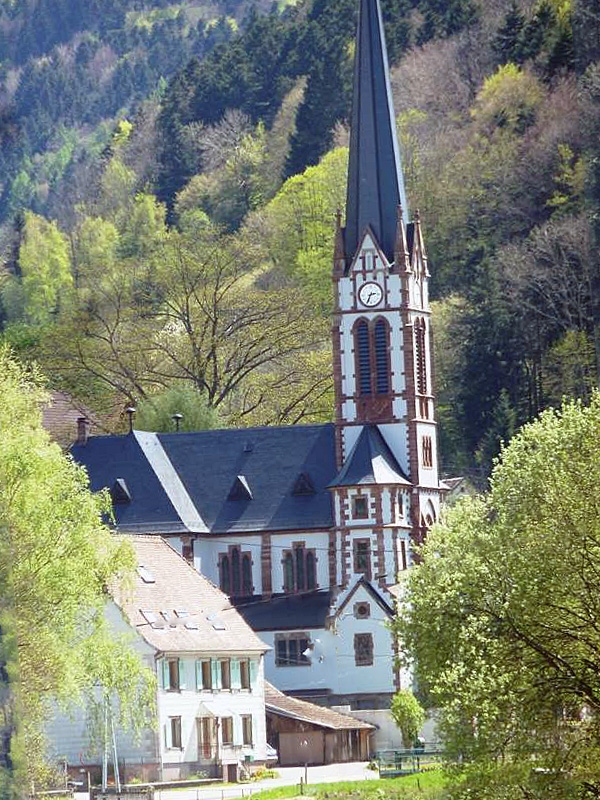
(381, 357)
(299, 569)
(363, 351)
(225, 575)
(420, 356)
(246, 575)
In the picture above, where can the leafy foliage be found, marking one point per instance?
(57, 560)
(501, 613)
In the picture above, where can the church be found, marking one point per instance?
(306, 528)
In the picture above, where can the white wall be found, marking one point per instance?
(332, 664)
(190, 703)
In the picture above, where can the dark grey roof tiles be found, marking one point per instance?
(184, 481)
(287, 612)
(375, 181)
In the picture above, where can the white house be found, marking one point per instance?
(209, 667)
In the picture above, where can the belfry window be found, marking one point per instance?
(363, 350)
(371, 344)
(420, 356)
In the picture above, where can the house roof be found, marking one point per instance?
(191, 481)
(175, 609)
(375, 181)
(60, 415)
(283, 705)
(370, 462)
(287, 612)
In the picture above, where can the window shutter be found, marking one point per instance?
(181, 670)
(236, 678)
(253, 673)
(198, 667)
(216, 673)
(167, 730)
(237, 730)
(164, 671)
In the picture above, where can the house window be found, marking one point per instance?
(360, 507)
(363, 649)
(235, 572)
(371, 347)
(427, 451)
(225, 667)
(174, 733)
(245, 674)
(247, 729)
(291, 651)
(172, 682)
(227, 730)
(420, 356)
(299, 569)
(362, 557)
(204, 674)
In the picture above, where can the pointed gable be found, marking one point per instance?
(370, 462)
(375, 182)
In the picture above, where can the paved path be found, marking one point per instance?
(288, 776)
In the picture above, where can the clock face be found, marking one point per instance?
(370, 294)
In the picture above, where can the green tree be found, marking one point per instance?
(155, 412)
(46, 269)
(56, 559)
(501, 615)
(408, 714)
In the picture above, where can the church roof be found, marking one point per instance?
(375, 181)
(370, 462)
(218, 481)
(308, 610)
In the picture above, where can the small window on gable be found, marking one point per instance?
(360, 507)
(303, 485)
(120, 493)
(240, 489)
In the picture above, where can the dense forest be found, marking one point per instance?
(171, 174)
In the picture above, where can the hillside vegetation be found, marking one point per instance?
(180, 239)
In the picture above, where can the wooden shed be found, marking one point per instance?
(304, 733)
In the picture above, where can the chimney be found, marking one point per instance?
(83, 430)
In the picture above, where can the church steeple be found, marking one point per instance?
(375, 182)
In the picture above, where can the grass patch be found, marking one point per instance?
(423, 785)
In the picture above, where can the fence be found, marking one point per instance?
(405, 762)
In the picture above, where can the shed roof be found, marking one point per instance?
(283, 705)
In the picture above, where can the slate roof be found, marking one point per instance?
(283, 705)
(184, 481)
(375, 181)
(199, 617)
(287, 612)
(370, 462)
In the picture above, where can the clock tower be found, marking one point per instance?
(381, 324)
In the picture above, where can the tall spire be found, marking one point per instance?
(375, 182)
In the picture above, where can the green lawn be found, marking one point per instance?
(423, 785)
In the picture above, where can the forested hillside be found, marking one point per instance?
(172, 174)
